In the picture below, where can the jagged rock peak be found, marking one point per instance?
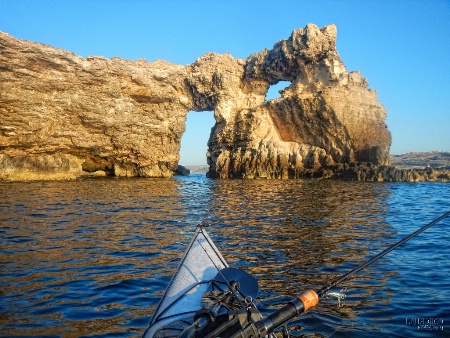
(307, 45)
(63, 116)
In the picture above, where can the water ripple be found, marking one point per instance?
(93, 257)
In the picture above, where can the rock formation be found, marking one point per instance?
(64, 116)
(325, 117)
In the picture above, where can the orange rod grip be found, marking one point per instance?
(309, 299)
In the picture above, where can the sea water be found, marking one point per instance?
(93, 257)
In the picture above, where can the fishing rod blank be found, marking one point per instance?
(310, 298)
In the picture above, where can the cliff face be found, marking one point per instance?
(63, 116)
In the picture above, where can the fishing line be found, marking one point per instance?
(326, 288)
(380, 255)
(310, 298)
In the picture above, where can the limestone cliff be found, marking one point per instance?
(64, 116)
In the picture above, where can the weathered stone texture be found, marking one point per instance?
(326, 116)
(64, 116)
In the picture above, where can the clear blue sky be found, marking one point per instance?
(401, 47)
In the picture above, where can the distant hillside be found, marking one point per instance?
(197, 169)
(434, 159)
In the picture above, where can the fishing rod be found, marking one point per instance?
(310, 298)
(323, 290)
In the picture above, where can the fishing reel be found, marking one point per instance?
(228, 306)
(232, 289)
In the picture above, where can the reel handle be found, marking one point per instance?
(268, 324)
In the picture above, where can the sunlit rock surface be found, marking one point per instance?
(325, 117)
(63, 116)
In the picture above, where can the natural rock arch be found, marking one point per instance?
(62, 116)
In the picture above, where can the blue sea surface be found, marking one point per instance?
(93, 257)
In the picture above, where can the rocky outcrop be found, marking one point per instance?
(368, 172)
(182, 171)
(325, 117)
(64, 116)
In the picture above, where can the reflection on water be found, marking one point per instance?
(92, 257)
(302, 234)
(78, 255)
